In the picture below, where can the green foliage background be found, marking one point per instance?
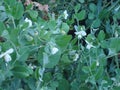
(35, 64)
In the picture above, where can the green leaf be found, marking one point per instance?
(54, 85)
(90, 37)
(23, 54)
(3, 16)
(104, 14)
(63, 85)
(10, 2)
(96, 23)
(1, 2)
(92, 7)
(17, 10)
(65, 27)
(31, 83)
(62, 41)
(85, 69)
(6, 34)
(52, 24)
(28, 7)
(101, 35)
(40, 56)
(99, 73)
(14, 36)
(2, 76)
(81, 1)
(116, 88)
(115, 44)
(21, 71)
(81, 15)
(73, 42)
(91, 16)
(47, 77)
(117, 14)
(45, 35)
(45, 59)
(74, 85)
(36, 73)
(77, 8)
(93, 66)
(2, 27)
(53, 60)
(104, 44)
(33, 14)
(92, 80)
(65, 59)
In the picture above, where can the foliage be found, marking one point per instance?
(38, 52)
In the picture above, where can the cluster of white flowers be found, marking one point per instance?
(80, 34)
(29, 22)
(6, 55)
(80, 31)
(65, 14)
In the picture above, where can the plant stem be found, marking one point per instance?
(13, 22)
(116, 61)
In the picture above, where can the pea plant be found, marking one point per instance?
(49, 45)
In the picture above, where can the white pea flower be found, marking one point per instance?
(7, 52)
(32, 66)
(54, 50)
(10, 51)
(118, 84)
(95, 29)
(116, 34)
(28, 21)
(6, 55)
(113, 79)
(76, 57)
(42, 27)
(7, 58)
(116, 9)
(80, 34)
(89, 45)
(97, 63)
(65, 14)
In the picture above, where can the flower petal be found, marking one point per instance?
(28, 21)
(54, 50)
(7, 58)
(65, 14)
